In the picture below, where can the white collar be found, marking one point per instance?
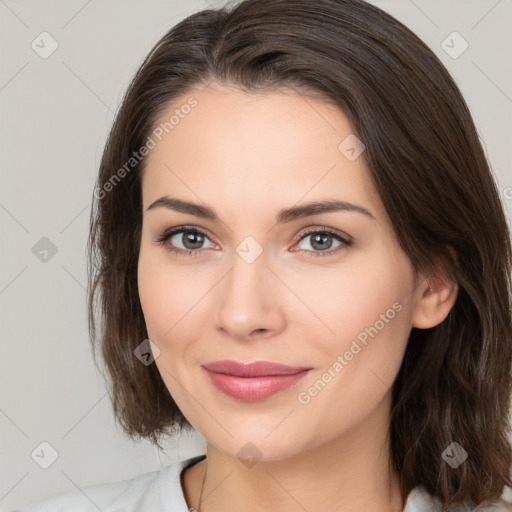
(419, 500)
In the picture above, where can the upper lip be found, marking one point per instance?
(255, 369)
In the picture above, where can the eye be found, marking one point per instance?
(190, 238)
(321, 239)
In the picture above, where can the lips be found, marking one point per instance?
(256, 369)
(252, 381)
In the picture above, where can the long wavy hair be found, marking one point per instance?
(426, 161)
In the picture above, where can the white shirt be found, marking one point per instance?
(161, 491)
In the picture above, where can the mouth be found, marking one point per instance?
(252, 382)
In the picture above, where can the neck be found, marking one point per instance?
(349, 473)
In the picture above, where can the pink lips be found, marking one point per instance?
(254, 381)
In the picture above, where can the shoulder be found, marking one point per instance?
(141, 493)
(419, 500)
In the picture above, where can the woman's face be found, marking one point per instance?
(258, 284)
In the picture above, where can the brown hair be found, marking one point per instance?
(427, 163)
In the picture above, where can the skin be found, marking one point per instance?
(247, 156)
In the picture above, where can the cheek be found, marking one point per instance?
(368, 313)
(350, 301)
(379, 320)
(359, 364)
(168, 295)
(156, 304)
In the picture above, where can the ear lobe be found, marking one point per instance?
(433, 303)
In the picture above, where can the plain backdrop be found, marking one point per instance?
(56, 111)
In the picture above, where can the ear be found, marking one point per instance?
(434, 298)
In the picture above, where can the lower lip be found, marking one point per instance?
(253, 389)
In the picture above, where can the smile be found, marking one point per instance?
(252, 382)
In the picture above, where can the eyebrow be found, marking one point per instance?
(285, 215)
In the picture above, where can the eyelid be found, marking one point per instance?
(167, 233)
(304, 232)
(324, 229)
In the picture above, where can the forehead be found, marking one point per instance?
(276, 147)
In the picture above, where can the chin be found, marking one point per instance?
(253, 448)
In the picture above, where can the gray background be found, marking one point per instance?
(55, 115)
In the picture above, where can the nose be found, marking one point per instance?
(249, 300)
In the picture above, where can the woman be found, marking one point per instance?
(300, 251)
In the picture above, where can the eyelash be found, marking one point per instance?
(167, 234)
